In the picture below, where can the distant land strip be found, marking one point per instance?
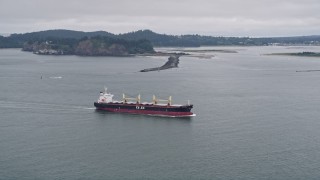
(308, 70)
(158, 40)
(207, 50)
(303, 54)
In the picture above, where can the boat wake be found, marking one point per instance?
(89, 108)
(186, 116)
(55, 77)
(41, 106)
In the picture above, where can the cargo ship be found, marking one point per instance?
(158, 107)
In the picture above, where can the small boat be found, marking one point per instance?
(129, 105)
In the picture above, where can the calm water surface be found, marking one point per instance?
(257, 118)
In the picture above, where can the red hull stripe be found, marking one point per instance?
(135, 111)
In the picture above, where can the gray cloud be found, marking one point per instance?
(207, 17)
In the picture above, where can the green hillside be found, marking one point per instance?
(18, 40)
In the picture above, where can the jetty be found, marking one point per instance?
(172, 62)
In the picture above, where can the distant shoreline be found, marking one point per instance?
(63, 38)
(302, 54)
(208, 50)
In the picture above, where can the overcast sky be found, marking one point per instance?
(254, 18)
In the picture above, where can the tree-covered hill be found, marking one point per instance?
(198, 40)
(17, 40)
(89, 46)
(155, 38)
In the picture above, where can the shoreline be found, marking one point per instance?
(299, 54)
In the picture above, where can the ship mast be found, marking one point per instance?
(125, 99)
(155, 100)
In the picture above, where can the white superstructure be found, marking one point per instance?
(105, 97)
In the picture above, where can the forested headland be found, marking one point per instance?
(100, 43)
(89, 46)
(64, 42)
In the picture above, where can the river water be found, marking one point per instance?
(257, 117)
